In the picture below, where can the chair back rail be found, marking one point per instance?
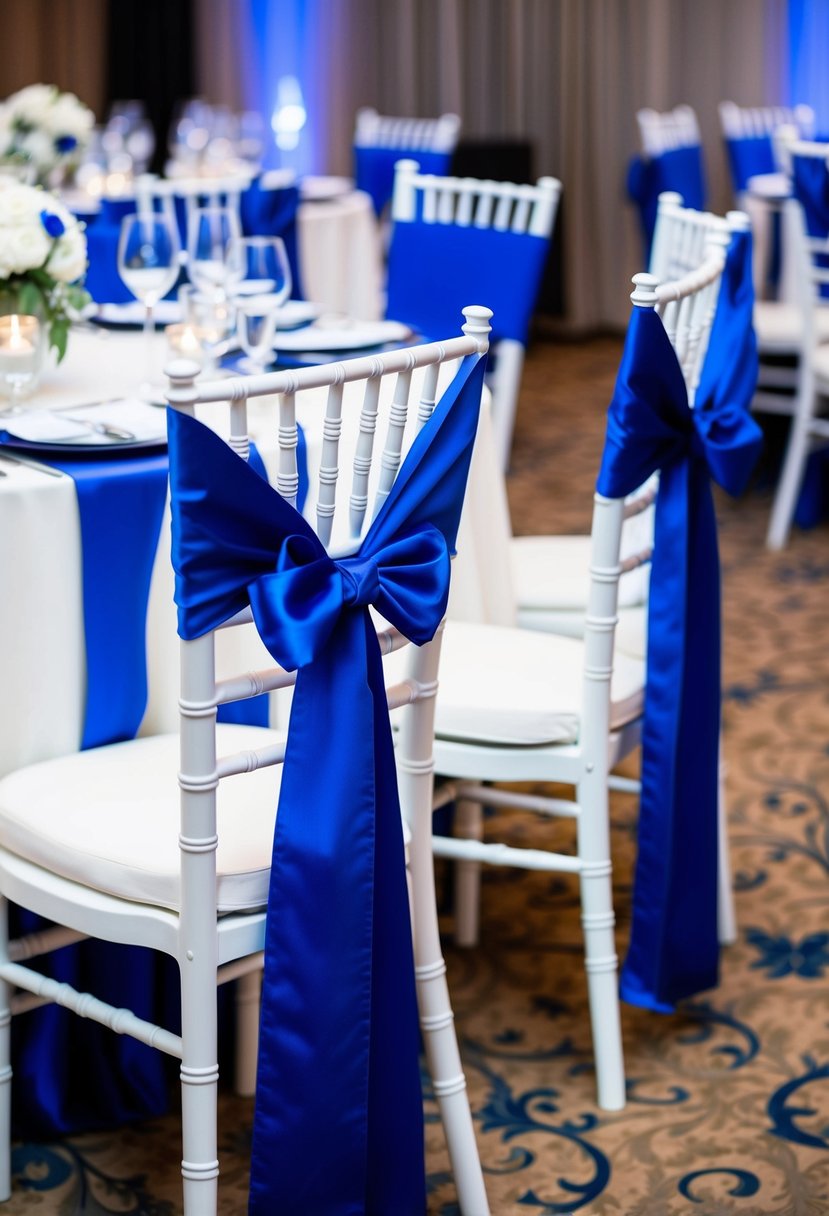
(375, 130)
(662, 132)
(746, 122)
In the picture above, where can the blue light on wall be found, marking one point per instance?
(808, 57)
(278, 42)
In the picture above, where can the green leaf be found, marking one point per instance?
(58, 337)
(30, 299)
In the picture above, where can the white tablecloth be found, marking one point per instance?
(340, 255)
(41, 612)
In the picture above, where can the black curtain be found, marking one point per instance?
(150, 58)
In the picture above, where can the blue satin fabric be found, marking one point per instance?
(747, 157)
(262, 213)
(477, 264)
(679, 169)
(374, 172)
(674, 948)
(339, 1115)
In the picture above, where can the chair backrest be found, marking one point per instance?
(380, 141)
(491, 241)
(340, 530)
(687, 307)
(671, 159)
(808, 224)
(750, 137)
(489, 238)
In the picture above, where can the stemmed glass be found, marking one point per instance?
(148, 258)
(149, 262)
(213, 249)
(263, 290)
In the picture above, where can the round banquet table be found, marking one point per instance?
(43, 702)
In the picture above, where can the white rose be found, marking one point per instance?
(33, 103)
(68, 260)
(29, 248)
(39, 147)
(20, 204)
(69, 117)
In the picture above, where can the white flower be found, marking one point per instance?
(68, 260)
(39, 148)
(68, 117)
(23, 248)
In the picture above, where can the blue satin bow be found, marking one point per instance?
(339, 1116)
(674, 949)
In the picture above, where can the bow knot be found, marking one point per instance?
(361, 580)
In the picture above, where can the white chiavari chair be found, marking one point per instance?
(515, 705)
(166, 841)
(490, 237)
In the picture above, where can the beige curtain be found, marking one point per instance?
(61, 42)
(569, 75)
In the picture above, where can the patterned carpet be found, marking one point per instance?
(728, 1106)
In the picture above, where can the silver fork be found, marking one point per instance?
(103, 428)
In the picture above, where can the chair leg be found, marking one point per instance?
(199, 1087)
(438, 1027)
(601, 963)
(794, 465)
(248, 1004)
(468, 825)
(726, 915)
(5, 1062)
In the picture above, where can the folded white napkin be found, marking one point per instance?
(146, 423)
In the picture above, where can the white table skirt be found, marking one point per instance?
(340, 255)
(41, 614)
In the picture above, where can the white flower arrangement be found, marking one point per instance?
(44, 128)
(42, 258)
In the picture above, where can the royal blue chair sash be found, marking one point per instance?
(747, 157)
(477, 264)
(679, 169)
(674, 949)
(339, 1116)
(374, 171)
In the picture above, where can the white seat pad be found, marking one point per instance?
(554, 572)
(109, 818)
(779, 326)
(514, 686)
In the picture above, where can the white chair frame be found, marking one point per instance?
(687, 310)
(504, 206)
(208, 947)
(808, 429)
(373, 130)
(662, 132)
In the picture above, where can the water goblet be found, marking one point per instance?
(149, 262)
(260, 294)
(213, 254)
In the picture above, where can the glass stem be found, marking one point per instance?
(149, 334)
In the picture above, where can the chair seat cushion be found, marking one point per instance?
(554, 572)
(515, 686)
(779, 326)
(109, 818)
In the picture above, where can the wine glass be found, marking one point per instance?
(260, 294)
(213, 249)
(148, 258)
(149, 262)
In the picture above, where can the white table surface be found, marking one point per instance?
(41, 614)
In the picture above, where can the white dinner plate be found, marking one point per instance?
(166, 312)
(353, 335)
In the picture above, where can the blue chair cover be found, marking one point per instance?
(339, 1116)
(262, 213)
(502, 268)
(674, 949)
(374, 170)
(679, 169)
(747, 157)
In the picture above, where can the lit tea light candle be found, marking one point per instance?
(18, 341)
(186, 340)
